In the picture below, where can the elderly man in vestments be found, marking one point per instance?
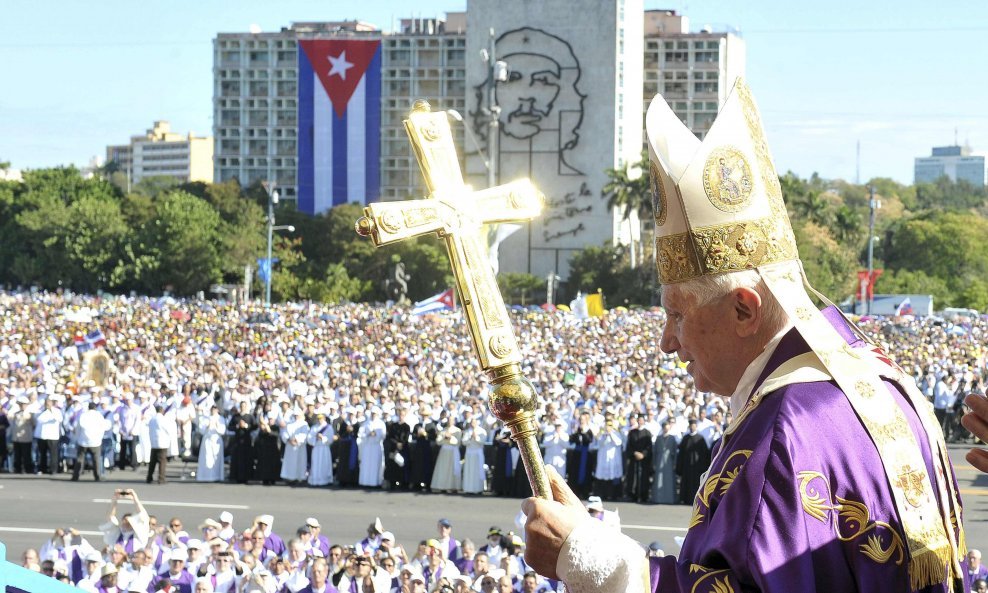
(833, 476)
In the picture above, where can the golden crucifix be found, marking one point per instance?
(456, 213)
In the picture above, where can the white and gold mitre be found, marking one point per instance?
(717, 203)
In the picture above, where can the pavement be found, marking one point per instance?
(31, 507)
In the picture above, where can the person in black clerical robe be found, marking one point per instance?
(242, 424)
(580, 459)
(423, 454)
(397, 466)
(503, 480)
(638, 460)
(346, 454)
(692, 460)
(267, 445)
(664, 466)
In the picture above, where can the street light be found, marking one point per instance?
(458, 117)
(272, 200)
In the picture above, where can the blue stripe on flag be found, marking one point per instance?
(339, 159)
(373, 127)
(306, 149)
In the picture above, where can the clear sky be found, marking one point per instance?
(898, 76)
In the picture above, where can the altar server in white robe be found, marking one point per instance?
(320, 437)
(212, 428)
(293, 463)
(609, 445)
(446, 476)
(370, 441)
(474, 475)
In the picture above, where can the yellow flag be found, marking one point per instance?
(595, 304)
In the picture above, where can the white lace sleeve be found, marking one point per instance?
(599, 559)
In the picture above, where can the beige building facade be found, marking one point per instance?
(160, 152)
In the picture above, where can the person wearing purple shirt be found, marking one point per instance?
(180, 579)
(972, 569)
(319, 541)
(271, 540)
(833, 476)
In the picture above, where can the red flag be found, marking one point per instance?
(340, 65)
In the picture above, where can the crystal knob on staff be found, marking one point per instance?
(456, 213)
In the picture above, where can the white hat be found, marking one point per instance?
(595, 504)
(226, 517)
(266, 519)
(93, 556)
(387, 535)
(194, 544)
(312, 522)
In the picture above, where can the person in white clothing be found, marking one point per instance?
(213, 428)
(162, 431)
(474, 475)
(446, 476)
(370, 443)
(47, 431)
(321, 436)
(556, 444)
(609, 445)
(294, 465)
(89, 430)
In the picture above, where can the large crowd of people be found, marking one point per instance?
(370, 396)
(140, 553)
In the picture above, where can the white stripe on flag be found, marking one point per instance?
(322, 149)
(356, 152)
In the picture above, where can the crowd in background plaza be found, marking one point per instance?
(369, 396)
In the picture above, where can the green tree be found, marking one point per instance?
(519, 287)
(830, 267)
(904, 281)
(185, 239)
(628, 189)
(156, 185)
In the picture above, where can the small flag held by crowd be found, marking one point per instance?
(441, 302)
(94, 339)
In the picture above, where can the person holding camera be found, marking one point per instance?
(132, 530)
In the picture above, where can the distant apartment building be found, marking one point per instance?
(161, 152)
(954, 162)
(693, 71)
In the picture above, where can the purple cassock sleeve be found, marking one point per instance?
(796, 501)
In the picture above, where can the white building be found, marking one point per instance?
(955, 162)
(160, 152)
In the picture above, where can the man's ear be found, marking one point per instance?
(747, 313)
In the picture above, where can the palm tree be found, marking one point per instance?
(628, 188)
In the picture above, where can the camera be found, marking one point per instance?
(445, 589)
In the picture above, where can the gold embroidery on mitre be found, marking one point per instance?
(727, 179)
(721, 248)
(660, 202)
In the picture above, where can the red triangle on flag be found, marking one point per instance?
(340, 64)
(447, 298)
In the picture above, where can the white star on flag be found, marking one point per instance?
(340, 65)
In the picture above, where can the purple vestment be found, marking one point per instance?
(797, 500)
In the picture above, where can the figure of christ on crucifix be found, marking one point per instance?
(456, 213)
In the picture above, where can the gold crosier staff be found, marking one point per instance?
(454, 212)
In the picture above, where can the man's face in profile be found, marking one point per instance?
(527, 97)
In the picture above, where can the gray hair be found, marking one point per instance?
(706, 289)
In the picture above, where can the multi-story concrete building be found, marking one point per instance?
(255, 89)
(693, 71)
(161, 152)
(955, 162)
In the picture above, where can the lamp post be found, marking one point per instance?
(873, 205)
(272, 200)
(476, 144)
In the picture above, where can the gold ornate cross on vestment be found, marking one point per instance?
(456, 213)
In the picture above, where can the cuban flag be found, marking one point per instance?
(339, 120)
(441, 302)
